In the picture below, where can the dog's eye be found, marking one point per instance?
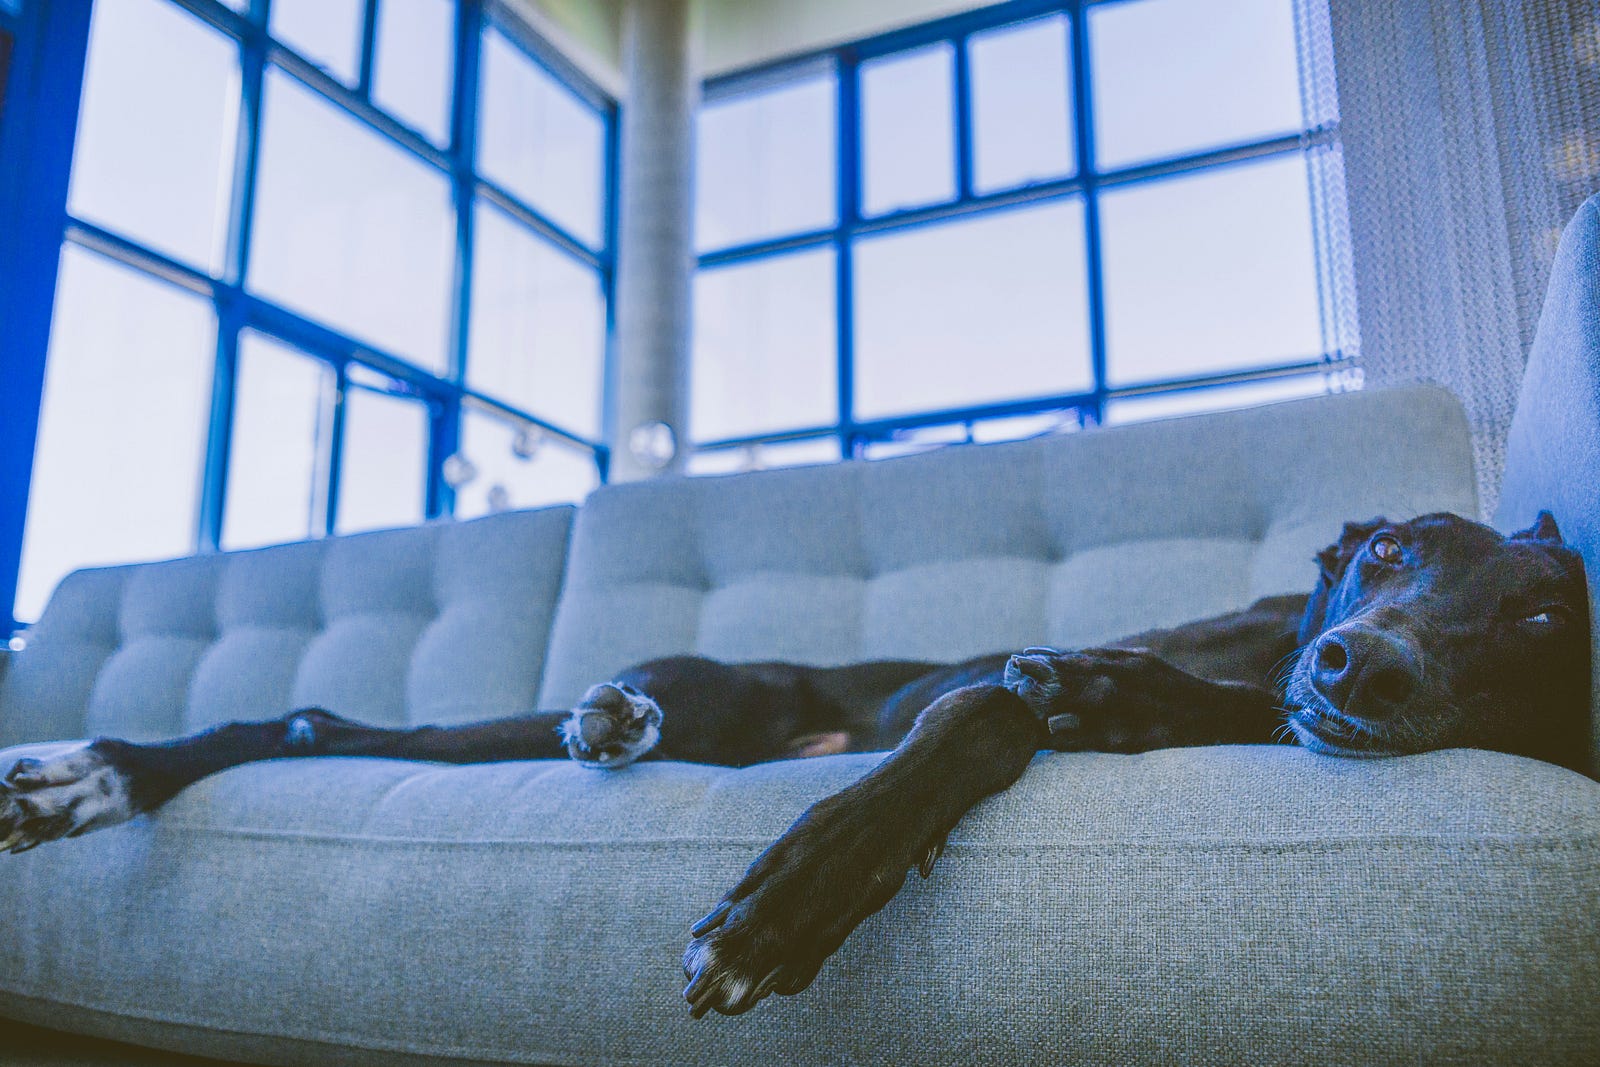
(1385, 549)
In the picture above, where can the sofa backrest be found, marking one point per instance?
(1064, 541)
(1553, 451)
(446, 622)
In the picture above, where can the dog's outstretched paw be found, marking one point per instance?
(61, 796)
(842, 860)
(612, 726)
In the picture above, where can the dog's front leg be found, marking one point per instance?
(848, 855)
(1131, 700)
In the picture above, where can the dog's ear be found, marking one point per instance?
(1544, 529)
(1333, 560)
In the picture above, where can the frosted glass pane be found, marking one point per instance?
(1021, 104)
(351, 229)
(807, 453)
(764, 347)
(327, 32)
(765, 164)
(411, 73)
(908, 129)
(154, 154)
(1216, 398)
(1173, 77)
(972, 312)
(280, 445)
(383, 472)
(554, 473)
(1210, 272)
(538, 325)
(540, 141)
(122, 431)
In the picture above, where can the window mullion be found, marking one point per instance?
(849, 194)
(961, 114)
(1083, 129)
(241, 209)
(369, 48)
(463, 149)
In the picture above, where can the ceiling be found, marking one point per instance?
(728, 34)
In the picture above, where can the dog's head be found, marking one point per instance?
(1440, 633)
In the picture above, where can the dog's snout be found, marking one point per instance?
(1364, 673)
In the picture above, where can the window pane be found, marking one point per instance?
(350, 229)
(280, 445)
(1173, 77)
(327, 32)
(909, 442)
(411, 73)
(1021, 104)
(972, 312)
(807, 453)
(1217, 398)
(1024, 427)
(540, 141)
(383, 468)
(1210, 272)
(538, 325)
(511, 473)
(122, 430)
(155, 142)
(908, 129)
(765, 164)
(764, 347)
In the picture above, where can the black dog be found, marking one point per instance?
(1433, 633)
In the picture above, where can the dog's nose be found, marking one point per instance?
(1364, 673)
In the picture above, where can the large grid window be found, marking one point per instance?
(1028, 219)
(328, 266)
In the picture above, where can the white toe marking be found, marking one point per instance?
(642, 710)
(79, 783)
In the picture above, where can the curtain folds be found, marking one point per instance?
(1470, 132)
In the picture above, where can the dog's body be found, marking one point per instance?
(1428, 634)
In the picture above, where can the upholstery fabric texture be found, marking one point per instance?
(1222, 905)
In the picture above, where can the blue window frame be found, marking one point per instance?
(384, 376)
(937, 195)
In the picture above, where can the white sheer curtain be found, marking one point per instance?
(1471, 132)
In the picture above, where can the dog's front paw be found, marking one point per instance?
(612, 726)
(1109, 699)
(841, 861)
(61, 796)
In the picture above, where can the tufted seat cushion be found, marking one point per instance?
(1063, 541)
(446, 622)
(1195, 906)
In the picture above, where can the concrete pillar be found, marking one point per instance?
(655, 239)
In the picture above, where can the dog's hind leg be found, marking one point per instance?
(108, 781)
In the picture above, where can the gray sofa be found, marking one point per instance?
(1218, 905)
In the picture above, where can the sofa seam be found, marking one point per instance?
(321, 1037)
(1588, 841)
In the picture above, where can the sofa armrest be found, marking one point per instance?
(1553, 454)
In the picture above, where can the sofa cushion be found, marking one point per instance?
(1553, 450)
(446, 622)
(1220, 905)
(1064, 541)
